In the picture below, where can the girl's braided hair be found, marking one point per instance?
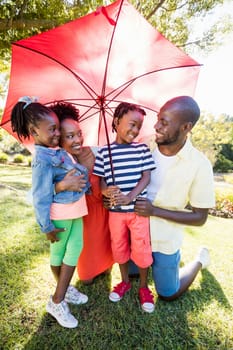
(25, 115)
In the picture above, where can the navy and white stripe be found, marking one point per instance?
(129, 161)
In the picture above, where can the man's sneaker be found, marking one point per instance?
(146, 299)
(203, 257)
(62, 314)
(73, 296)
(119, 291)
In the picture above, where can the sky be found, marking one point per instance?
(214, 92)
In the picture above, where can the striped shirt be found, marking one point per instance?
(129, 161)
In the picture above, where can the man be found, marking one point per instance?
(183, 176)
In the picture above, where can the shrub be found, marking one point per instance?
(223, 164)
(18, 158)
(3, 158)
(224, 204)
(10, 145)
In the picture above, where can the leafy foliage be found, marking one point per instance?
(224, 160)
(3, 158)
(210, 134)
(224, 203)
(223, 164)
(9, 144)
(18, 159)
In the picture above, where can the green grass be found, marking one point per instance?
(201, 319)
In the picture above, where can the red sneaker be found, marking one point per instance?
(119, 291)
(146, 299)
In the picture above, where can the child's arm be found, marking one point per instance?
(145, 179)
(42, 192)
(103, 187)
(123, 199)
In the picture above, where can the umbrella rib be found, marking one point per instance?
(131, 81)
(89, 108)
(81, 117)
(88, 88)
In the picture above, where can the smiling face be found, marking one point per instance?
(46, 132)
(128, 126)
(168, 127)
(71, 136)
(175, 120)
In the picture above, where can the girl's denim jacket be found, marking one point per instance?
(50, 166)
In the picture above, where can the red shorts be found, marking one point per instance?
(130, 238)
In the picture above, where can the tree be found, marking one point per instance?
(224, 161)
(211, 133)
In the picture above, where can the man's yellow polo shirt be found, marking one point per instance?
(189, 180)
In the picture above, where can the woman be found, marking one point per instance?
(96, 255)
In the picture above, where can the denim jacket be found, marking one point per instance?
(50, 166)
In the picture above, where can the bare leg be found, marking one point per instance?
(56, 271)
(187, 275)
(124, 272)
(143, 272)
(66, 273)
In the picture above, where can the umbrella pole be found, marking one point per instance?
(102, 111)
(102, 96)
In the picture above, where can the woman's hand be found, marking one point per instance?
(71, 182)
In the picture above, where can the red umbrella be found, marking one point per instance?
(97, 61)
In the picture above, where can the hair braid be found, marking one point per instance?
(22, 118)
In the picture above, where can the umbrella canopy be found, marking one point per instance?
(96, 62)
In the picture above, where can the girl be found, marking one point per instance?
(59, 215)
(132, 163)
(96, 256)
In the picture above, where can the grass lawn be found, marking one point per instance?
(200, 319)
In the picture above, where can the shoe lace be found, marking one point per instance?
(120, 288)
(146, 296)
(73, 292)
(64, 309)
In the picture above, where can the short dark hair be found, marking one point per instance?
(65, 110)
(187, 105)
(123, 108)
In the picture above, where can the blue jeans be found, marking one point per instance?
(165, 271)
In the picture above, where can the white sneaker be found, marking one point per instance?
(204, 257)
(73, 296)
(62, 313)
